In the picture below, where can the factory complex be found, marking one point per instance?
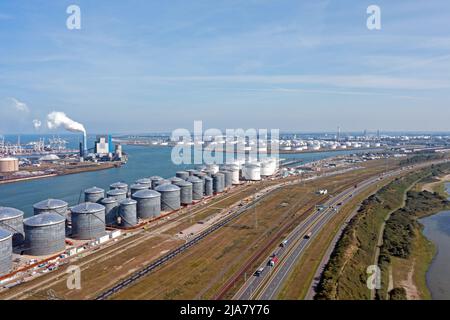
(57, 231)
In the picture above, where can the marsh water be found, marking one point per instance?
(437, 229)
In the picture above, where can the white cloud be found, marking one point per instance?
(19, 105)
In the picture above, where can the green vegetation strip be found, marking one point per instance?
(345, 275)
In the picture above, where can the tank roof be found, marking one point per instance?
(194, 179)
(9, 213)
(183, 183)
(145, 194)
(167, 188)
(108, 200)
(115, 192)
(144, 181)
(138, 186)
(156, 178)
(44, 219)
(127, 202)
(50, 204)
(118, 185)
(4, 235)
(94, 190)
(88, 208)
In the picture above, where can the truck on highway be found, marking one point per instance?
(272, 261)
(308, 235)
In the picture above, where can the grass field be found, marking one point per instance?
(297, 285)
(345, 275)
(202, 270)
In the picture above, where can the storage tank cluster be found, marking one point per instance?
(45, 232)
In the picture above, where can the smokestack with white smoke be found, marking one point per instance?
(59, 119)
(37, 124)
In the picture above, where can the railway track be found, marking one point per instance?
(171, 255)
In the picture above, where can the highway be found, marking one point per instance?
(267, 285)
(171, 255)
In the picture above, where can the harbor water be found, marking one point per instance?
(142, 162)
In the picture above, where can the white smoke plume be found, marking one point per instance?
(37, 124)
(19, 105)
(58, 119)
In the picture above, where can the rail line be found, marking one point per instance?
(171, 255)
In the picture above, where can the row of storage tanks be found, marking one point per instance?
(122, 205)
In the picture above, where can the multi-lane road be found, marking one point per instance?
(268, 283)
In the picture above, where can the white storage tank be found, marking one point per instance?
(5, 252)
(251, 172)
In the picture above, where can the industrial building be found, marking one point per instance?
(122, 206)
(9, 165)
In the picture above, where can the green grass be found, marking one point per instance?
(402, 239)
(345, 275)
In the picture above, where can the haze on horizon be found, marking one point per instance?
(148, 66)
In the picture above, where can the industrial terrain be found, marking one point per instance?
(261, 240)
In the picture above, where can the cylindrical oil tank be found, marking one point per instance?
(137, 187)
(234, 168)
(111, 210)
(174, 180)
(8, 165)
(209, 190)
(94, 195)
(118, 194)
(45, 234)
(191, 172)
(128, 213)
(5, 252)
(148, 203)
(197, 187)
(170, 197)
(218, 182)
(119, 185)
(251, 172)
(88, 221)
(146, 182)
(155, 179)
(209, 173)
(214, 168)
(185, 192)
(267, 169)
(11, 220)
(182, 174)
(228, 176)
(52, 205)
(200, 174)
(161, 182)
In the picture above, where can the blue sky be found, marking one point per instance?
(141, 66)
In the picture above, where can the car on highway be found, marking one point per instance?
(284, 243)
(259, 272)
(308, 235)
